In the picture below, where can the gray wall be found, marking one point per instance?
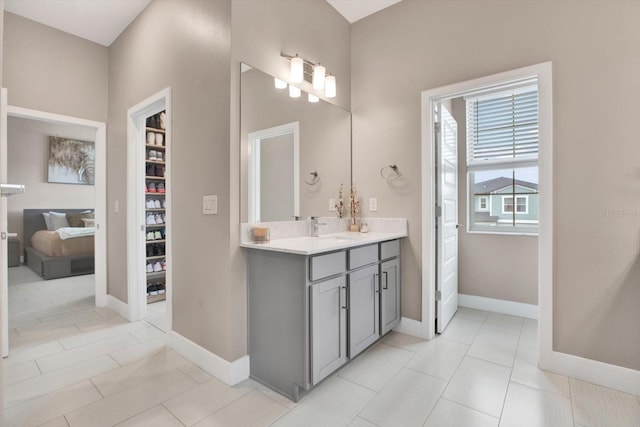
(401, 51)
(27, 154)
(502, 267)
(184, 45)
(48, 70)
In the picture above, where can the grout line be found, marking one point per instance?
(469, 407)
(359, 385)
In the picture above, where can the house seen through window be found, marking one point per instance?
(502, 159)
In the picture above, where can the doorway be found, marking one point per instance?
(430, 205)
(95, 289)
(149, 211)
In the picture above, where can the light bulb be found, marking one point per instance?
(313, 98)
(294, 92)
(297, 70)
(280, 84)
(330, 86)
(319, 73)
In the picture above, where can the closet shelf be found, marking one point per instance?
(155, 130)
(155, 241)
(156, 298)
(155, 162)
(155, 147)
(156, 257)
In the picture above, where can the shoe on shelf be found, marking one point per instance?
(151, 187)
(162, 120)
(153, 289)
(150, 236)
(152, 155)
(160, 156)
(160, 187)
(150, 170)
(158, 219)
(159, 171)
(149, 251)
(161, 288)
(157, 235)
(149, 268)
(156, 204)
(150, 204)
(157, 267)
(151, 138)
(164, 264)
(151, 219)
(164, 204)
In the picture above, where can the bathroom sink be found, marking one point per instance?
(342, 236)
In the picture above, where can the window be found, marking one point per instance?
(522, 205)
(502, 158)
(483, 203)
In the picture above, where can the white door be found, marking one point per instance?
(447, 221)
(4, 266)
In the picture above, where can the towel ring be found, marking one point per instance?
(314, 180)
(390, 173)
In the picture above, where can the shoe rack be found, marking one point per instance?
(155, 208)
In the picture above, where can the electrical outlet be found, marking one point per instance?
(373, 204)
(209, 205)
(332, 205)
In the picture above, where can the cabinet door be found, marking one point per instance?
(390, 295)
(364, 309)
(328, 327)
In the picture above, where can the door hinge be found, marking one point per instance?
(438, 295)
(3, 235)
(438, 211)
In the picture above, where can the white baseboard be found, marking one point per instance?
(118, 306)
(412, 327)
(229, 372)
(512, 308)
(604, 374)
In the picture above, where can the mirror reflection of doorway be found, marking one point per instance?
(274, 174)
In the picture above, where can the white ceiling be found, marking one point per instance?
(102, 21)
(354, 10)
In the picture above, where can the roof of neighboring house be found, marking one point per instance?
(495, 184)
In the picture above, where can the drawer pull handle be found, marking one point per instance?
(376, 278)
(386, 280)
(344, 307)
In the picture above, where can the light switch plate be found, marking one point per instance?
(332, 205)
(209, 205)
(373, 204)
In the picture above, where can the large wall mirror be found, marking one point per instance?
(296, 153)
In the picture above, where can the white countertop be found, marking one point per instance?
(323, 243)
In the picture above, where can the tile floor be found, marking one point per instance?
(480, 372)
(41, 311)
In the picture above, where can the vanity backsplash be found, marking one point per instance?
(330, 225)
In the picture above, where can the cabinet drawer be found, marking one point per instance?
(389, 249)
(322, 266)
(362, 256)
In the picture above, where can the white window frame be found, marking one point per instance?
(486, 201)
(488, 164)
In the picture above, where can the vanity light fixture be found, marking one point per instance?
(304, 70)
(319, 73)
(280, 84)
(313, 98)
(294, 92)
(330, 86)
(297, 69)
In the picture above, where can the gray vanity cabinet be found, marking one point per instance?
(310, 314)
(328, 327)
(390, 286)
(364, 309)
(389, 295)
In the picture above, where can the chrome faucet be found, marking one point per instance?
(315, 225)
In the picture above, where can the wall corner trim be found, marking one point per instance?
(230, 373)
(511, 308)
(593, 371)
(118, 306)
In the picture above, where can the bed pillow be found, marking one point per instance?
(75, 219)
(57, 220)
(45, 215)
(89, 222)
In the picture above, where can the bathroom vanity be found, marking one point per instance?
(315, 303)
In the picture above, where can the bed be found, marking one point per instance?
(50, 257)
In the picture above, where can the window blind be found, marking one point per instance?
(502, 126)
